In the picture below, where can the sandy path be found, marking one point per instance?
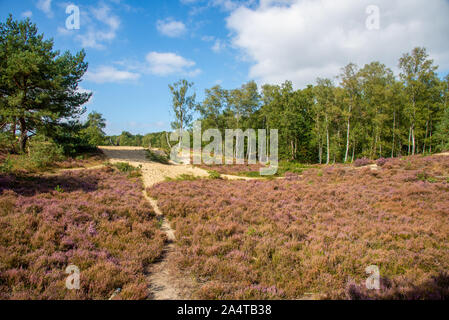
(163, 285)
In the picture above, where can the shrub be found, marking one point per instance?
(362, 162)
(214, 174)
(125, 167)
(157, 157)
(6, 166)
(42, 154)
(381, 162)
(6, 141)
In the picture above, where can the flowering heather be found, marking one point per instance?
(381, 161)
(79, 162)
(362, 162)
(316, 233)
(97, 220)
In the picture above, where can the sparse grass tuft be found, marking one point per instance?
(156, 157)
(183, 177)
(125, 167)
(214, 174)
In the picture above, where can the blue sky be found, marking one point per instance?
(136, 48)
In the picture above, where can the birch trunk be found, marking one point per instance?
(347, 136)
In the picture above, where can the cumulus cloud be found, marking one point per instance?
(101, 27)
(171, 28)
(45, 6)
(300, 40)
(166, 63)
(108, 74)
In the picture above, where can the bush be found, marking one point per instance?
(42, 154)
(129, 169)
(362, 162)
(156, 157)
(6, 142)
(6, 166)
(214, 174)
(381, 161)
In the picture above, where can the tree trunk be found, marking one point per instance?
(413, 142)
(353, 151)
(23, 135)
(374, 150)
(425, 139)
(394, 127)
(328, 147)
(168, 140)
(14, 128)
(292, 149)
(380, 147)
(320, 151)
(409, 139)
(347, 139)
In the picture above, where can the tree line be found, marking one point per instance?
(362, 112)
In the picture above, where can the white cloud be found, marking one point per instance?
(107, 74)
(101, 25)
(83, 90)
(300, 40)
(171, 28)
(45, 6)
(224, 5)
(208, 38)
(27, 14)
(166, 63)
(218, 46)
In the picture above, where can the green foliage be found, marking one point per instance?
(6, 166)
(125, 167)
(249, 174)
(371, 114)
(6, 141)
(292, 167)
(93, 132)
(71, 138)
(49, 81)
(182, 104)
(442, 134)
(214, 174)
(44, 153)
(183, 177)
(156, 157)
(59, 189)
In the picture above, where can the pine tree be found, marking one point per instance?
(38, 86)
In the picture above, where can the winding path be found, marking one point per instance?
(163, 285)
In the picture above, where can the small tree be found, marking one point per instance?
(38, 86)
(182, 104)
(93, 129)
